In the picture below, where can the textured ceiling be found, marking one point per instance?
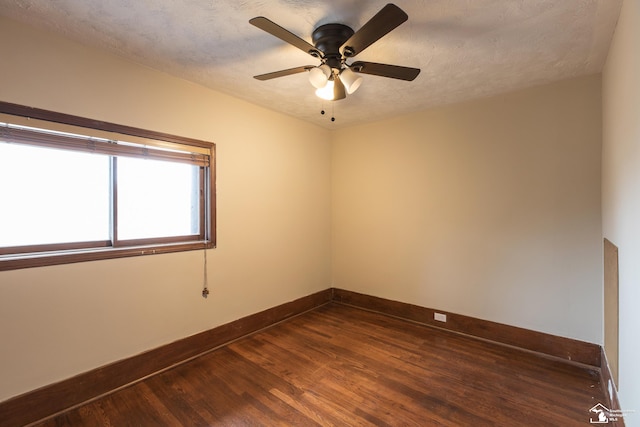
(465, 48)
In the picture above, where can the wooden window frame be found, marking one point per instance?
(65, 253)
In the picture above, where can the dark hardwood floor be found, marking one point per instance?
(342, 366)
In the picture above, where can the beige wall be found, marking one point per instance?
(273, 218)
(621, 191)
(489, 209)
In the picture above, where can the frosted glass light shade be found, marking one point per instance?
(333, 91)
(326, 92)
(319, 76)
(338, 89)
(351, 80)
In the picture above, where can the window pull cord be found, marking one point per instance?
(205, 289)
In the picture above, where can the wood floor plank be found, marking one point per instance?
(339, 365)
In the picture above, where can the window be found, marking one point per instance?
(72, 189)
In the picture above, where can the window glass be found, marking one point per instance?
(157, 199)
(52, 196)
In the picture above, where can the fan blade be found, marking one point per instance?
(386, 70)
(284, 35)
(283, 73)
(382, 23)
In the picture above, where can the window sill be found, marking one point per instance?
(41, 259)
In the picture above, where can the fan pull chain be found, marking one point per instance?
(323, 112)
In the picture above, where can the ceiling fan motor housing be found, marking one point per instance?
(328, 39)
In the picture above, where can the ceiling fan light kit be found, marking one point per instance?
(333, 45)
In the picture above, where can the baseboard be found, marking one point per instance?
(610, 391)
(551, 345)
(49, 400)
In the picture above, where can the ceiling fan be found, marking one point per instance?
(333, 45)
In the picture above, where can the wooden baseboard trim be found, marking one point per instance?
(539, 342)
(46, 401)
(610, 392)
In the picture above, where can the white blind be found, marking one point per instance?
(13, 133)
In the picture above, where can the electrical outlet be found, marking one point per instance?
(440, 317)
